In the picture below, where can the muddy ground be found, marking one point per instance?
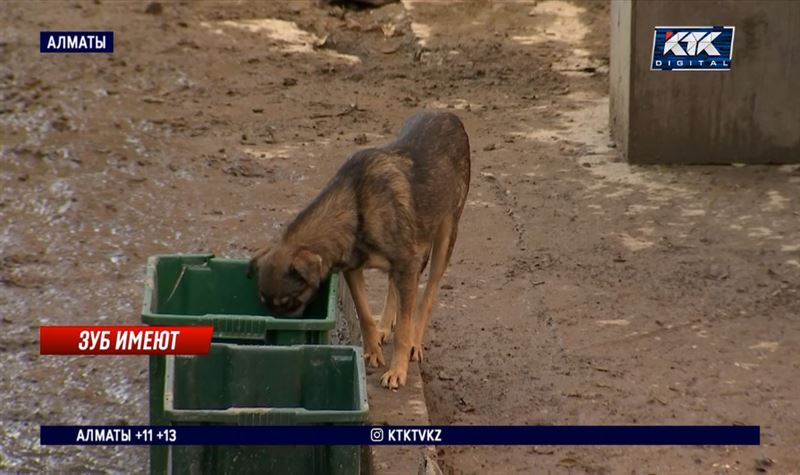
(582, 290)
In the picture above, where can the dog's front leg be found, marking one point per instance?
(369, 333)
(406, 285)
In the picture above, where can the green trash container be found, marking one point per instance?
(263, 385)
(200, 289)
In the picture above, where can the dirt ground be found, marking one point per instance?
(582, 290)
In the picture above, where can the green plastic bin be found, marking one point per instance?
(265, 385)
(200, 289)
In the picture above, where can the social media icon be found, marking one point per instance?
(376, 434)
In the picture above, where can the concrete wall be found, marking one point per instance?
(620, 70)
(750, 114)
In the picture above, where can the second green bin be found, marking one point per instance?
(263, 385)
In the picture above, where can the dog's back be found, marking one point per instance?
(430, 132)
(432, 150)
(433, 137)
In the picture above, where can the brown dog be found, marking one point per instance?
(392, 208)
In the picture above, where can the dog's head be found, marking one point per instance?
(288, 277)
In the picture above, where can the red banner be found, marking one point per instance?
(124, 340)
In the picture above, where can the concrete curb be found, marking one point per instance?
(404, 407)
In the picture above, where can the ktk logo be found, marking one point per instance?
(692, 48)
(696, 43)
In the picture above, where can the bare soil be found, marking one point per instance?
(582, 290)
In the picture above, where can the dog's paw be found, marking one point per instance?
(374, 356)
(416, 353)
(394, 378)
(384, 335)
(385, 330)
(374, 359)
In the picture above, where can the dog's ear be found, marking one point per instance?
(309, 266)
(252, 268)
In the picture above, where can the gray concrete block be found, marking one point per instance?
(750, 114)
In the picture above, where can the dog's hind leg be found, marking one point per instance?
(389, 316)
(390, 308)
(443, 243)
(369, 333)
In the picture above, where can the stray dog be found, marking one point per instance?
(392, 208)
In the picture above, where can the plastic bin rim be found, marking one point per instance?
(195, 414)
(276, 323)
